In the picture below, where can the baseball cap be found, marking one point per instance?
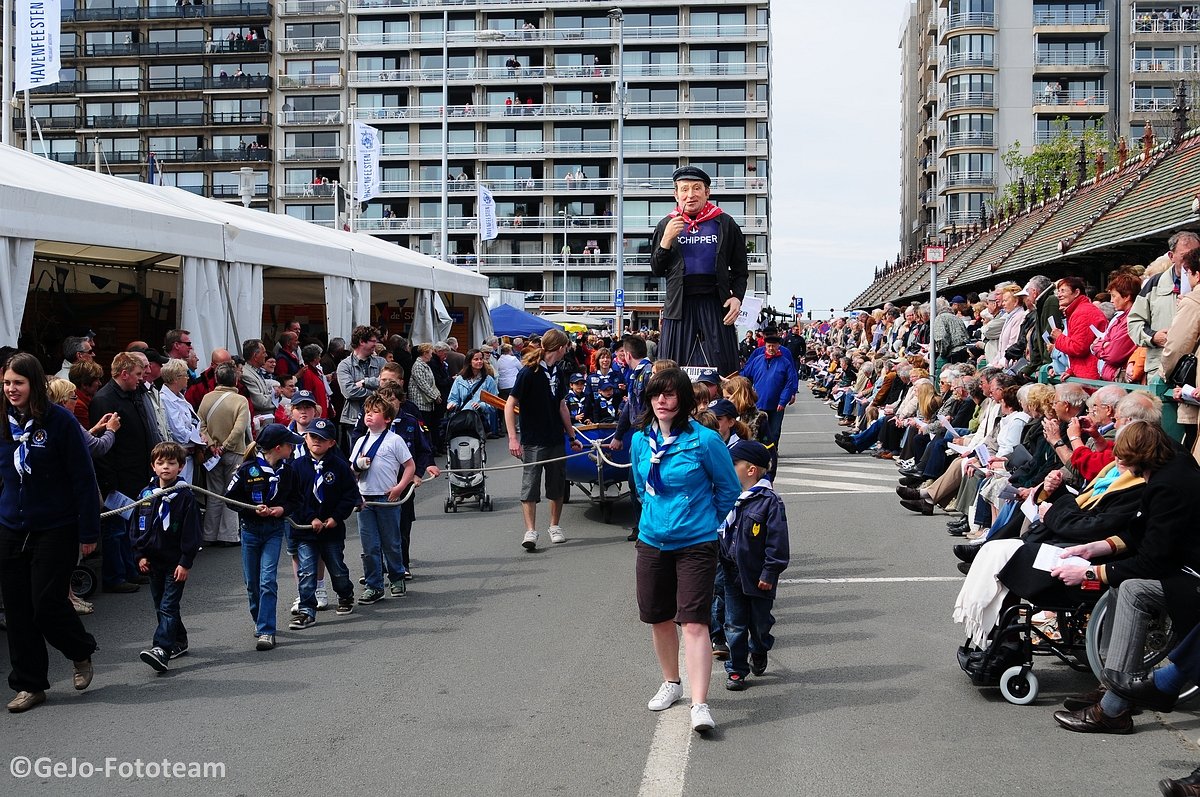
(274, 434)
(577, 377)
(606, 384)
(751, 451)
(153, 356)
(958, 299)
(709, 377)
(1021, 292)
(322, 428)
(304, 396)
(723, 407)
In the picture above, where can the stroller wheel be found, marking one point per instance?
(1019, 686)
(486, 504)
(446, 506)
(83, 581)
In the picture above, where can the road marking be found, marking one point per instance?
(835, 492)
(836, 486)
(792, 470)
(667, 761)
(869, 580)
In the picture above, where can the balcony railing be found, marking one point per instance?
(1151, 21)
(531, 224)
(968, 179)
(150, 49)
(314, 154)
(748, 146)
(1068, 99)
(930, 128)
(1153, 104)
(90, 87)
(361, 77)
(314, 44)
(106, 156)
(968, 61)
(656, 185)
(1046, 136)
(970, 138)
(313, 117)
(235, 191)
(206, 10)
(961, 218)
(1094, 58)
(969, 99)
(974, 19)
(601, 109)
(311, 81)
(1191, 64)
(458, 38)
(312, 8)
(931, 93)
(58, 122)
(1072, 18)
(551, 261)
(235, 81)
(204, 154)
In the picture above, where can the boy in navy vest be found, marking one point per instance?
(327, 494)
(753, 552)
(165, 537)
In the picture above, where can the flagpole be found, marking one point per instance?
(6, 69)
(445, 236)
(28, 121)
(352, 183)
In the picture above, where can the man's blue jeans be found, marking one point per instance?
(748, 622)
(379, 532)
(167, 594)
(867, 437)
(262, 540)
(333, 553)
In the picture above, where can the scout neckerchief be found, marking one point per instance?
(300, 449)
(319, 480)
(707, 213)
(164, 504)
(606, 405)
(657, 452)
(360, 449)
(762, 484)
(272, 478)
(21, 437)
(551, 372)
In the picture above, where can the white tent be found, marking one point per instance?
(223, 253)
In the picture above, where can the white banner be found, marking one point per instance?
(748, 317)
(367, 146)
(487, 215)
(37, 39)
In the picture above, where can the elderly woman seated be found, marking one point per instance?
(1004, 571)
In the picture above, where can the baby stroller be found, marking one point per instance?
(466, 434)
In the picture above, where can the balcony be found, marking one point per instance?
(974, 19)
(961, 218)
(605, 185)
(930, 128)
(312, 8)
(535, 224)
(1153, 104)
(261, 192)
(931, 22)
(967, 179)
(968, 99)
(57, 122)
(1149, 20)
(928, 198)
(741, 146)
(90, 87)
(311, 81)
(313, 117)
(931, 93)
(927, 164)
(226, 82)
(968, 61)
(485, 36)
(307, 190)
(206, 155)
(1068, 102)
(552, 262)
(314, 44)
(1191, 64)
(970, 138)
(1095, 59)
(151, 49)
(132, 13)
(1070, 18)
(314, 154)
(1046, 136)
(406, 77)
(111, 157)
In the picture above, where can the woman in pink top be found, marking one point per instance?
(1114, 347)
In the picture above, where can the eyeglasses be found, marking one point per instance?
(187, 343)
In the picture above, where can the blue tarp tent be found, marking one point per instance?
(508, 320)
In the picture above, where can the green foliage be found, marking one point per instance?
(1053, 158)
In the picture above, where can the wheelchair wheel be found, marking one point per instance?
(1019, 686)
(1159, 641)
(83, 581)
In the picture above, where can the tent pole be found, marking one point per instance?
(7, 73)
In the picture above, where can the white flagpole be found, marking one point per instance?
(444, 244)
(6, 70)
(352, 183)
(28, 120)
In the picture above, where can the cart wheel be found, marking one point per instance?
(446, 506)
(487, 503)
(567, 493)
(454, 507)
(1019, 685)
(606, 511)
(83, 581)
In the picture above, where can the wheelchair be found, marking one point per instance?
(1081, 644)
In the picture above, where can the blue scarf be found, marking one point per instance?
(731, 518)
(657, 452)
(272, 478)
(319, 481)
(21, 437)
(164, 504)
(1104, 481)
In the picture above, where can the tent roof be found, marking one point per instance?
(81, 215)
(508, 320)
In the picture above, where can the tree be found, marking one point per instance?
(1053, 158)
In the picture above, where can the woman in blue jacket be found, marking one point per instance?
(685, 479)
(49, 504)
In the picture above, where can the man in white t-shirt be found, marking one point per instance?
(385, 469)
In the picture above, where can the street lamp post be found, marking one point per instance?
(618, 16)
(566, 251)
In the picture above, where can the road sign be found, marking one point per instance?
(799, 309)
(619, 299)
(935, 254)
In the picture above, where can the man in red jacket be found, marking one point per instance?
(1084, 323)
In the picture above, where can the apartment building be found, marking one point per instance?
(981, 75)
(524, 97)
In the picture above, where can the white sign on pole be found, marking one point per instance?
(748, 317)
(935, 254)
(487, 215)
(37, 39)
(368, 146)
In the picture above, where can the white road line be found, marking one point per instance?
(784, 468)
(666, 763)
(869, 580)
(836, 492)
(838, 486)
(886, 465)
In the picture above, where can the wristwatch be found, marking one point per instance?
(1090, 574)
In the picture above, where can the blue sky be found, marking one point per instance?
(835, 195)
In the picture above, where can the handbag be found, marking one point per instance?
(1184, 372)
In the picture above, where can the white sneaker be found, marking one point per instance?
(702, 720)
(530, 541)
(296, 608)
(322, 598)
(556, 534)
(668, 695)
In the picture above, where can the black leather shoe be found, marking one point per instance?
(1093, 720)
(910, 493)
(1076, 702)
(964, 567)
(913, 481)
(966, 553)
(847, 446)
(922, 506)
(912, 472)
(1183, 787)
(1139, 689)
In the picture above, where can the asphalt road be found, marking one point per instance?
(503, 672)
